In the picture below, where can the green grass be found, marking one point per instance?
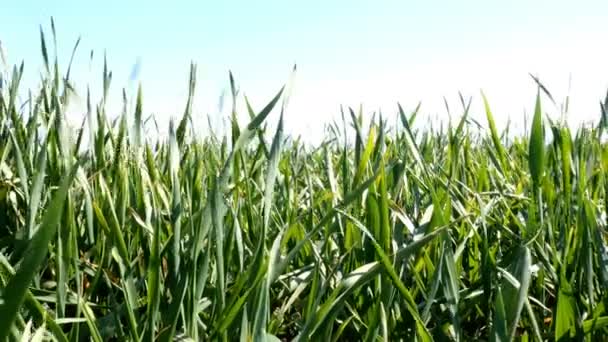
(396, 234)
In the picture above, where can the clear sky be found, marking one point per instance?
(348, 52)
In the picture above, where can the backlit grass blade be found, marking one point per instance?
(181, 129)
(365, 157)
(536, 148)
(137, 122)
(246, 136)
(45, 55)
(494, 134)
(67, 74)
(271, 175)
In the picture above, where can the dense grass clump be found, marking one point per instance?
(395, 234)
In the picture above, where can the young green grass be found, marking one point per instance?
(398, 234)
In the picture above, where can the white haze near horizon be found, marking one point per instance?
(568, 65)
(503, 76)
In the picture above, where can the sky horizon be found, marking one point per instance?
(347, 53)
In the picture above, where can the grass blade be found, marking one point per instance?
(15, 291)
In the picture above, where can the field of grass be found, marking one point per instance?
(397, 234)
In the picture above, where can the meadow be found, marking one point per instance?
(379, 232)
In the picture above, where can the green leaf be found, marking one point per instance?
(494, 134)
(15, 291)
(522, 271)
(499, 323)
(565, 316)
(536, 146)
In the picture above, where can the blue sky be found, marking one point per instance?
(348, 52)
